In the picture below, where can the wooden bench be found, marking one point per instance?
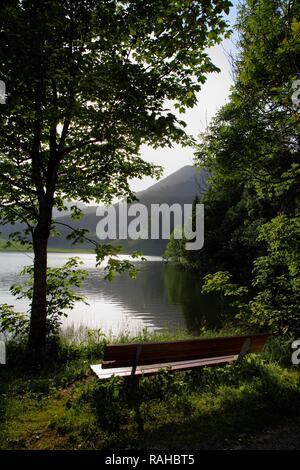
(145, 359)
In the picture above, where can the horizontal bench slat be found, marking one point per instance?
(152, 369)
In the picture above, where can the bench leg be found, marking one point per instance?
(134, 398)
(246, 347)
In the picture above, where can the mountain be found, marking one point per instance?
(5, 230)
(180, 187)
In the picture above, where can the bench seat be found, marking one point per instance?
(154, 368)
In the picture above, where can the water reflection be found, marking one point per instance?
(161, 296)
(184, 289)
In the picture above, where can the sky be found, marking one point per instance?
(213, 95)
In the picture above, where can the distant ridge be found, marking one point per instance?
(180, 187)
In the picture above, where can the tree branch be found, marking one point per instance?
(73, 229)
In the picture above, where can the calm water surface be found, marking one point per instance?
(161, 296)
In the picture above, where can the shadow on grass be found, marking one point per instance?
(218, 408)
(230, 415)
(217, 429)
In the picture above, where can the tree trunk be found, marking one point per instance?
(38, 320)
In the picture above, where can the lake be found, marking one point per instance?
(162, 296)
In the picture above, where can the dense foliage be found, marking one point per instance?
(252, 211)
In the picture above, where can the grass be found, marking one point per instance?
(17, 247)
(62, 406)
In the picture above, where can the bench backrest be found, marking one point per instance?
(126, 355)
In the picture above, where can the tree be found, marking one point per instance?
(252, 151)
(276, 278)
(88, 82)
